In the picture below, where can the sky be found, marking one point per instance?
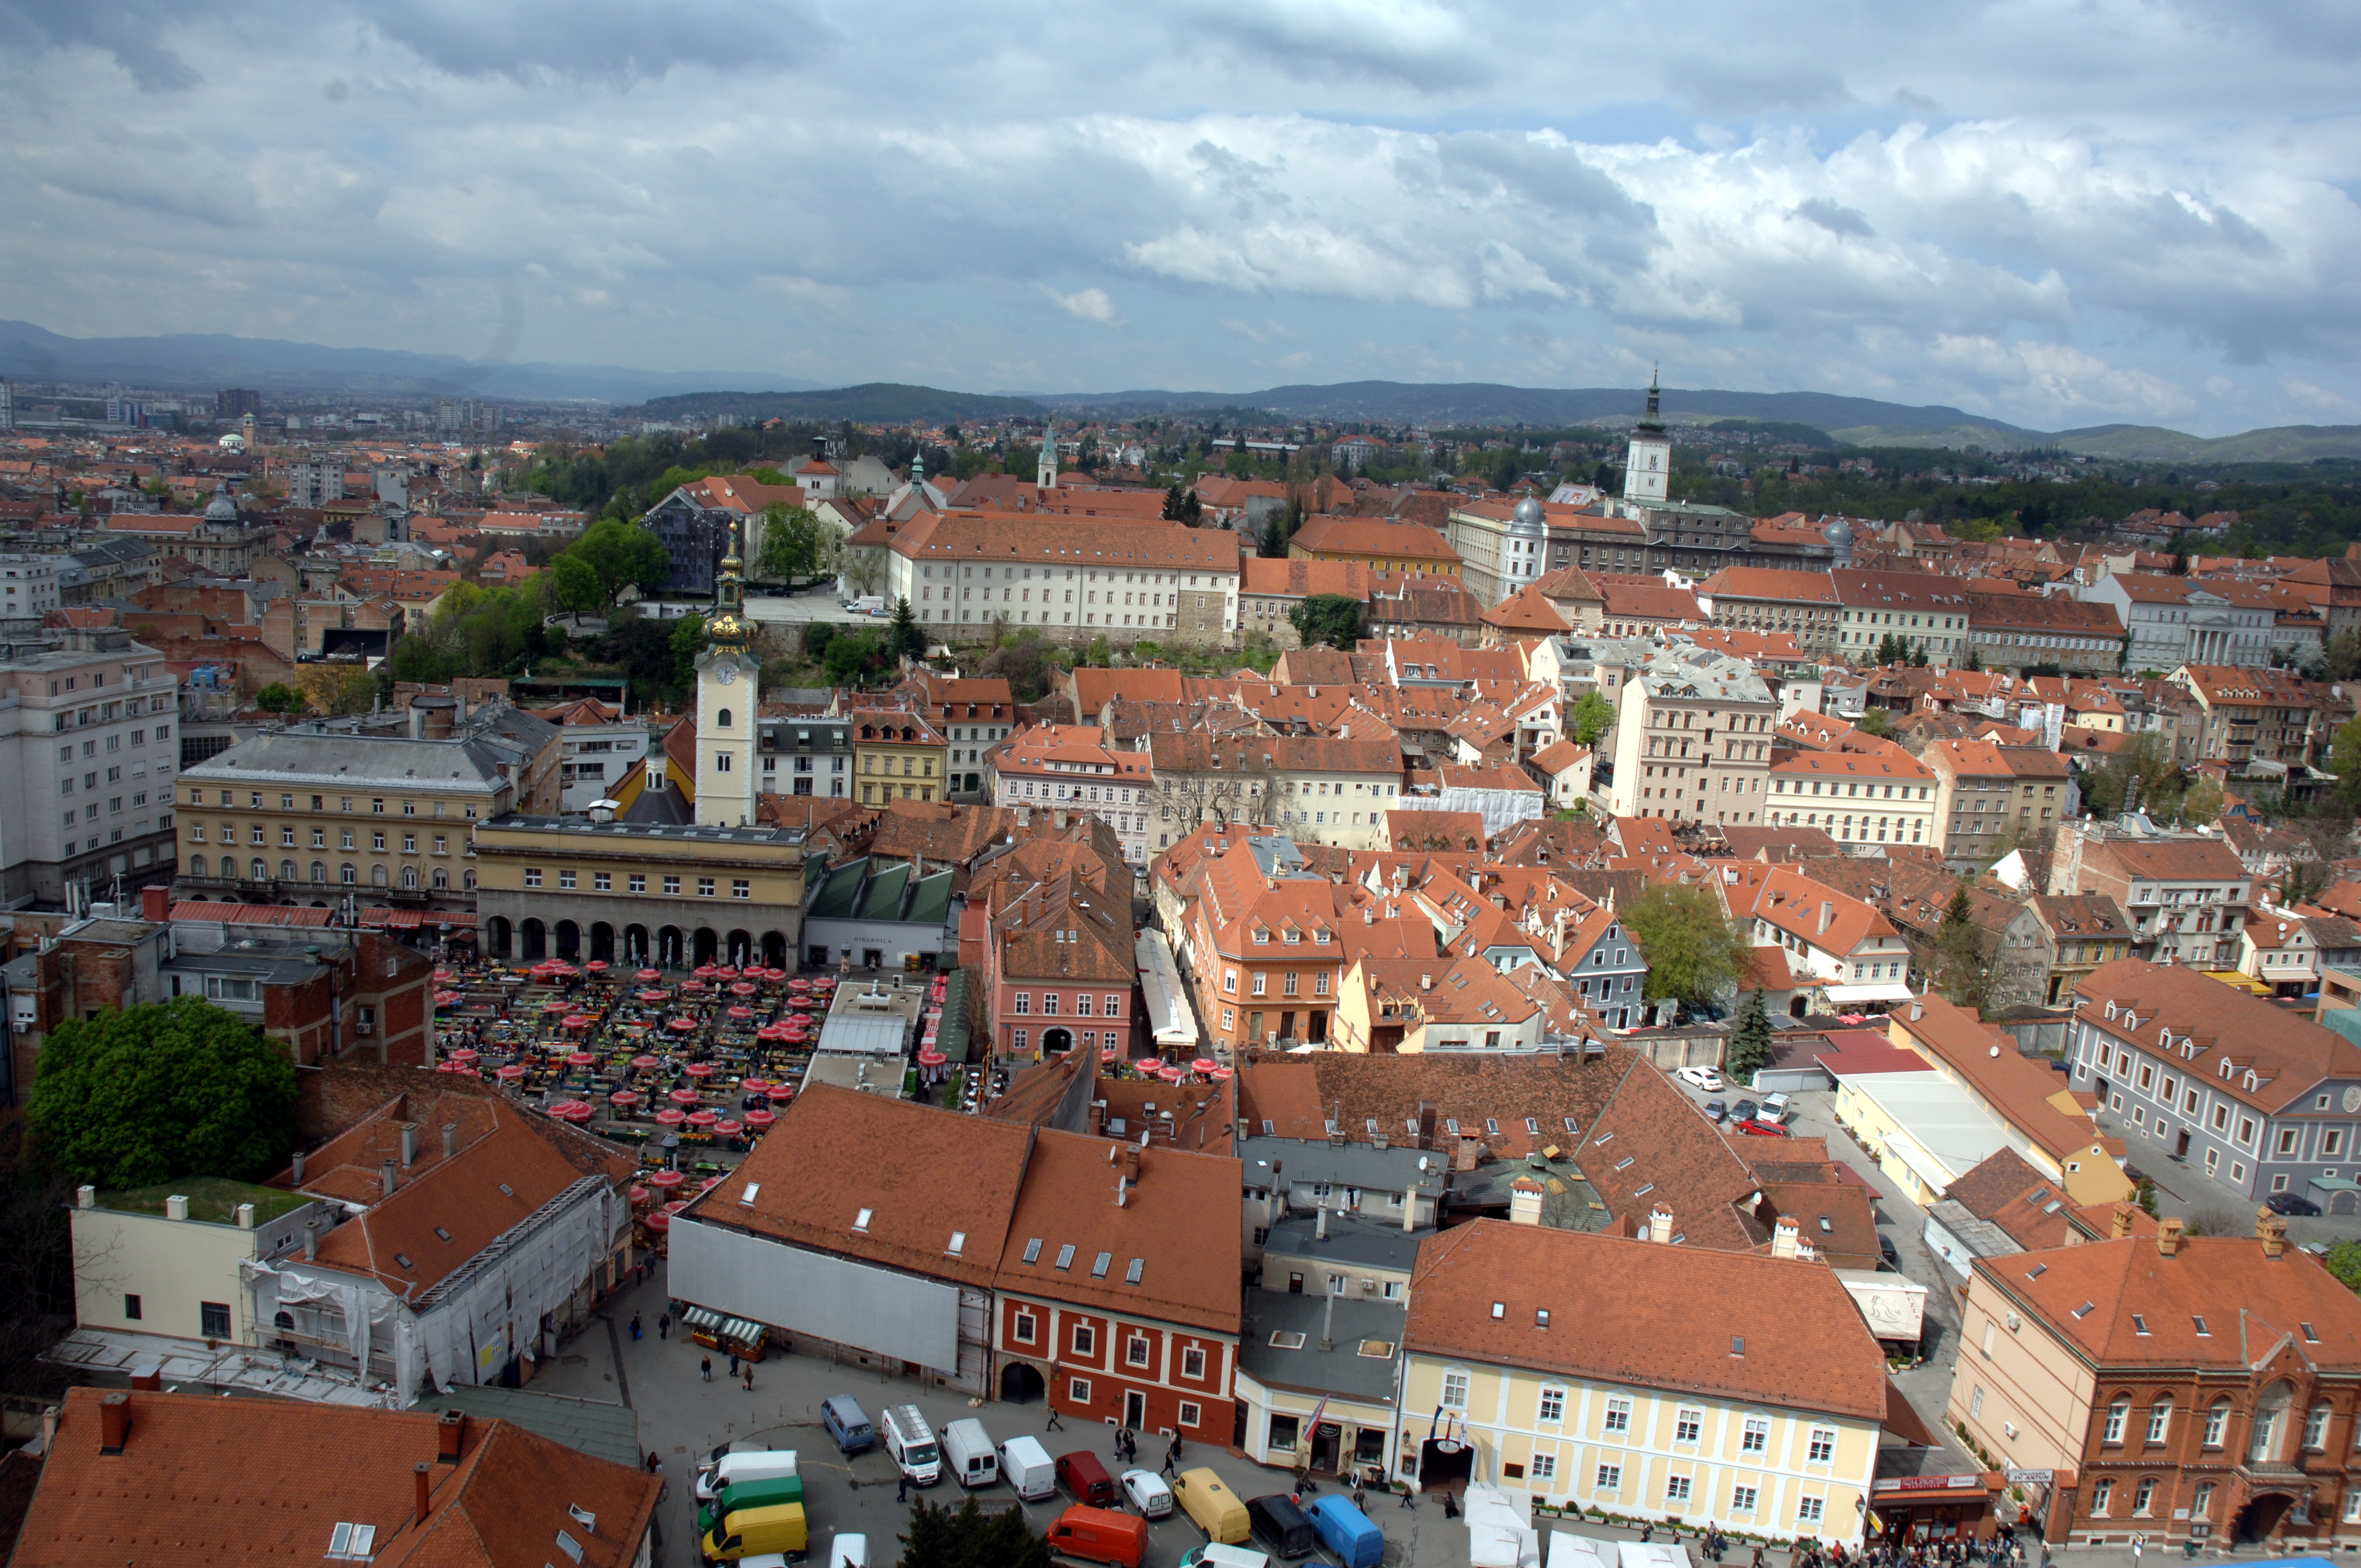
(2059, 215)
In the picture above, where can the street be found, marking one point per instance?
(797, 609)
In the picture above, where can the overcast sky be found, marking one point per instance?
(2060, 213)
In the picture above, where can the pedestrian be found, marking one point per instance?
(635, 1325)
(707, 1367)
(1171, 1456)
(1054, 1424)
(1360, 1493)
(1758, 1559)
(656, 1466)
(1647, 1532)
(1410, 1496)
(902, 1490)
(663, 1325)
(733, 1364)
(748, 1370)
(1118, 1444)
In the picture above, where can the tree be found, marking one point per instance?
(1332, 618)
(625, 555)
(1593, 716)
(1876, 721)
(967, 1537)
(1274, 537)
(1892, 650)
(2344, 1260)
(2342, 657)
(337, 689)
(2345, 761)
(794, 544)
(161, 1090)
(1963, 970)
(278, 697)
(576, 584)
(2201, 803)
(687, 643)
(851, 654)
(2140, 776)
(1027, 661)
(1691, 950)
(641, 646)
(905, 638)
(1749, 1039)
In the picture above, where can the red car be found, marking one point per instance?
(1760, 1129)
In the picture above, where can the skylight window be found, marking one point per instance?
(1499, 1309)
(1099, 1265)
(1033, 1250)
(958, 1243)
(2139, 1324)
(2310, 1337)
(1065, 1256)
(861, 1220)
(1131, 1276)
(2203, 1332)
(2038, 1271)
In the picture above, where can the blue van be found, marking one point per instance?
(1346, 1532)
(847, 1423)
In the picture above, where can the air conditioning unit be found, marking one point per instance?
(2008, 1428)
(2014, 1323)
(364, 1028)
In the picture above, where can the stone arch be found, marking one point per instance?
(740, 946)
(569, 939)
(1021, 1383)
(775, 950)
(602, 942)
(535, 940)
(496, 936)
(1057, 1042)
(637, 947)
(703, 944)
(671, 948)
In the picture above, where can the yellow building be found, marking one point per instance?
(639, 892)
(1379, 545)
(311, 815)
(897, 755)
(1657, 1381)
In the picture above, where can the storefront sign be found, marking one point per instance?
(2031, 1477)
(1929, 1483)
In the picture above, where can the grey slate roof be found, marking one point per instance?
(609, 1432)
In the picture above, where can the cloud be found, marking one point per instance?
(1088, 305)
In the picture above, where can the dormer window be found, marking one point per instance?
(1262, 938)
(1323, 937)
(1293, 937)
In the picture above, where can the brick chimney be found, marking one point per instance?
(155, 904)
(1786, 1237)
(2167, 1236)
(2271, 1230)
(1660, 1224)
(2119, 1224)
(450, 1436)
(1525, 1197)
(1828, 916)
(114, 1422)
(426, 1476)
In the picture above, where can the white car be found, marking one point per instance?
(1147, 1492)
(1775, 1108)
(1703, 1077)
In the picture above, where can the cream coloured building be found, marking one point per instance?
(1651, 1380)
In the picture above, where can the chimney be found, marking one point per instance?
(1786, 1236)
(1660, 1224)
(1131, 1160)
(1320, 1231)
(1426, 1123)
(155, 904)
(409, 1144)
(1410, 1208)
(1328, 1320)
(385, 1174)
(1525, 1201)
(450, 1436)
(246, 1216)
(1098, 1118)
(296, 1176)
(2272, 1232)
(114, 1422)
(176, 1207)
(311, 1241)
(425, 1475)
(2167, 1236)
(85, 1197)
(2119, 1224)
(450, 1140)
(1828, 916)
(50, 1428)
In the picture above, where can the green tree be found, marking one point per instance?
(2341, 661)
(641, 646)
(850, 655)
(905, 638)
(687, 643)
(1963, 969)
(1892, 650)
(794, 544)
(278, 697)
(577, 584)
(1749, 1039)
(2345, 761)
(1876, 721)
(1691, 950)
(967, 1537)
(1332, 618)
(1593, 716)
(625, 555)
(2344, 1260)
(1026, 661)
(2140, 776)
(162, 1090)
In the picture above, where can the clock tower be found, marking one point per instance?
(1648, 466)
(729, 683)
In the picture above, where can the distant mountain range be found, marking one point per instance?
(212, 360)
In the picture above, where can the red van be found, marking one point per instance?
(1099, 1535)
(1081, 1474)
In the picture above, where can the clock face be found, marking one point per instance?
(726, 673)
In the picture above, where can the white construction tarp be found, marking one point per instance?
(1570, 1551)
(1500, 1527)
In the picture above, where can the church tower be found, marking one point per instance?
(1047, 476)
(729, 678)
(1648, 466)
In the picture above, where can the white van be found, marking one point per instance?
(849, 1552)
(1025, 1465)
(1214, 1554)
(967, 1449)
(777, 1465)
(911, 1442)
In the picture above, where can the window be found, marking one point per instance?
(1823, 1446)
(1191, 1414)
(533, 876)
(742, 888)
(1193, 1367)
(566, 878)
(1086, 1340)
(1454, 1390)
(1552, 1405)
(2118, 1415)
(1687, 1424)
(1023, 1328)
(2201, 1501)
(2217, 1423)
(2159, 1420)
(672, 885)
(1677, 1488)
(1544, 1467)
(2102, 1497)
(1078, 1390)
(1810, 1511)
(637, 883)
(1619, 1415)
(214, 1319)
(1756, 1437)
(600, 881)
(1024, 1002)
(1611, 1479)
(1741, 1499)
(705, 887)
(2315, 1427)
(131, 1308)
(1135, 1350)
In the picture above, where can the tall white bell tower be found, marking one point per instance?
(729, 682)
(1046, 474)
(1648, 466)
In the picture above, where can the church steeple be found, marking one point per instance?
(1654, 419)
(1648, 462)
(729, 629)
(1046, 475)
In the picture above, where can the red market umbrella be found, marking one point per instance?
(675, 1206)
(683, 1025)
(705, 972)
(564, 971)
(579, 1058)
(824, 983)
(579, 1111)
(577, 1020)
(741, 1013)
(556, 1004)
(1106, 1053)
(758, 1120)
(444, 998)
(685, 1097)
(703, 1118)
(771, 1032)
(626, 1098)
(652, 995)
(1149, 1064)
(640, 1195)
(671, 1116)
(466, 1054)
(1220, 1075)
(659, 1222)
(1171, 1074)
(700, 1070)
(774, 975)
(692, 985)
(754, 1086)
(742, 988)
(595, 965)
(727, 1128)
(508, 1074)
(646, 1063)
(726, 971)
(667, 1180)
(931, 1057)
(1204, 1064)
(799, 985)
(649, 974)
(443, 974)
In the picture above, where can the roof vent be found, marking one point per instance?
(861, 1221)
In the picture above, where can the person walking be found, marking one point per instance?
(733, 1364)
(707, 1368)
(1053, 1424)
(1408, 1494)
(656, 1466)
(1647, 1532)
(663, 1325)
(902, 1490)
(748, 1371)
(635, 1325)
(1360, 1493)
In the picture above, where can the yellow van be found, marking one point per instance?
(1214, 1507)
(750, 1531)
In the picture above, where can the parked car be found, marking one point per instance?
(847, 1423)
(1703, 1077)
(1743, 1111)
(1086, 1478)
(1100, 1535)
(1754, 1129)
(1025, 1465)
(1886, 1246)
(1147, 1492)
(2289, 1204)
(1776, 1108)
(1716, 1110)
(1278, 1524)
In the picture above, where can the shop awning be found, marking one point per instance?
(1889, 990)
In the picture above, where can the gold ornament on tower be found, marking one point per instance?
(730, 629)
